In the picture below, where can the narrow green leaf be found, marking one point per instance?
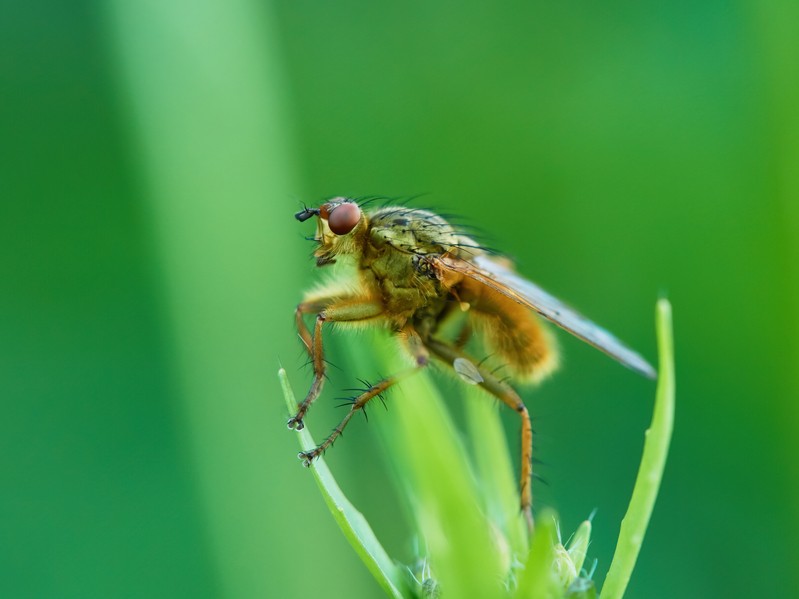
(653, 461)
(538, 581)
(352, 523)
(498, 483)
(460, 545)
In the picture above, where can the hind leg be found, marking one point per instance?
(449, 353)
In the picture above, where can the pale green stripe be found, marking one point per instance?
(202, 87)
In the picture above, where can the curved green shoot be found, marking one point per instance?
(352, 523)
(653, 461)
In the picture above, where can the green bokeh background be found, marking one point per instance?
(152, 155)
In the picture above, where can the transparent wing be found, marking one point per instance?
(502, 279)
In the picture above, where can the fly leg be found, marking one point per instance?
(510, 398)
(308, 307)
(418, 351)
(343, 310)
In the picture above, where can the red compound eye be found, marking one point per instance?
(343, 218)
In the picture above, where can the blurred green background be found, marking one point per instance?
(152, 155)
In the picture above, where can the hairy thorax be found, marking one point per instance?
(393, 268)
(406, 294)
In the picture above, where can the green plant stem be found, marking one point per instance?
(653, 461)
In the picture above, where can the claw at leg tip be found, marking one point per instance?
(295, 424)
(306, 457)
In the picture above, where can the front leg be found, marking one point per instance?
(420, 355)
(331, 309)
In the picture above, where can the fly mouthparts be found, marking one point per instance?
(306, 213)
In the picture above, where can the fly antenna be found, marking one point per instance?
(306, 213)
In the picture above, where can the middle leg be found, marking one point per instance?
(421, 357)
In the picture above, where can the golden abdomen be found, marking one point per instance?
(515, 333)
